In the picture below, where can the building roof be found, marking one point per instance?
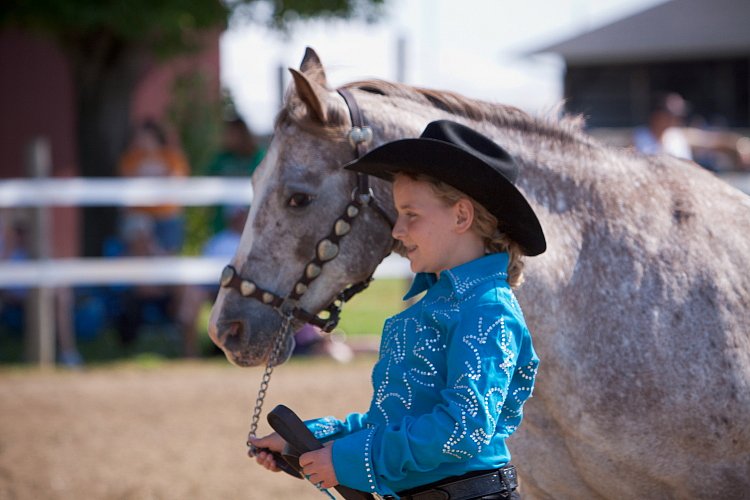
(677, 29)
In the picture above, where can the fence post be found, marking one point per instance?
(39, 337)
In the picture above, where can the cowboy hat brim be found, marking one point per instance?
(464, 171)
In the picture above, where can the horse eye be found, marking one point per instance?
(298, 200)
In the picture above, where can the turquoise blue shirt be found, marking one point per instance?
(449, 386)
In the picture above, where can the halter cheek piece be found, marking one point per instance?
(327, 248)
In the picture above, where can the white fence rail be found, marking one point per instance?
(109, 271)
(189, 191)
(145, 271)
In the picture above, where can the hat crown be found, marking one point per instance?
(475, 144)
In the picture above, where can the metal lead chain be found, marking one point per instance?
(286, 324)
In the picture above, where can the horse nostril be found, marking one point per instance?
(219, 333)
(233, 329)
(232, 335)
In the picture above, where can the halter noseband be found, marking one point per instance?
(327, 248)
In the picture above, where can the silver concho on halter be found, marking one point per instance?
(360, 135)
(247, 288)
(226, 275)
(312, 271)
(341, 227)
(327, 250)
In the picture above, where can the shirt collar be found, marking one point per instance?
(463, 277)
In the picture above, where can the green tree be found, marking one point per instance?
(111, 44)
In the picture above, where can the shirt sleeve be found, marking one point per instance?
(328, 428)
(481, 352)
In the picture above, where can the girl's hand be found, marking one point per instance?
(318, 466)
(272, 442)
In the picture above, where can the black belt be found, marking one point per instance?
(473, 485)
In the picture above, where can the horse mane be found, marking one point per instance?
(564, 128)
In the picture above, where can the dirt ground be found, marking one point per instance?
(171, 431)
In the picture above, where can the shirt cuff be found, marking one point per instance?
(324, 428)
(352, 461)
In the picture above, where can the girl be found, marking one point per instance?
(456, 367)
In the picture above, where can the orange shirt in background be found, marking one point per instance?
(165, 162)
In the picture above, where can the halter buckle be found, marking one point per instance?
(362, 198)
(330, 323)
(360, 135)
(288, 307)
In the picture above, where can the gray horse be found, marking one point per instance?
(640, 308)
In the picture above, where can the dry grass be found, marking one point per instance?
(173, 431)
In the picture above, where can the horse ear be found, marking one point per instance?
(313, 68)
(312, 94)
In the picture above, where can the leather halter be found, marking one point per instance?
(327, 248)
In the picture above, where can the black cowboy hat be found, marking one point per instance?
(471, 163)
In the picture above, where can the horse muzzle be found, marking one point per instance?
(246, 333)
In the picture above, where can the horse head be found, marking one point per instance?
(310, 232)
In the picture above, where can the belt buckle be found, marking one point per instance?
(509, 477)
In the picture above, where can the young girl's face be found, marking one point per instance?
(426, 227)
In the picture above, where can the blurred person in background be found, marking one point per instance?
(662, 133)
(150, 155)
(238, 156)
(714, 147)
(15, 247)
(146, 303)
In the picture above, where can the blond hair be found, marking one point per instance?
(486, 225)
